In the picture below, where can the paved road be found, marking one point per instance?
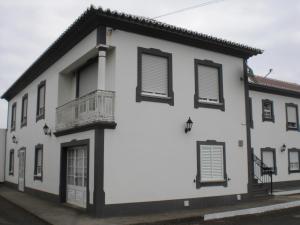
(284, 217)
(13, 215)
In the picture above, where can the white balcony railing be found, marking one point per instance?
(95, 107)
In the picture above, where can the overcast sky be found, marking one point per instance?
(28, 27)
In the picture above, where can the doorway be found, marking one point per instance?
(22, 166)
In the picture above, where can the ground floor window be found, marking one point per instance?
(38, 162)
(268, 157)
(211, 164)
(294, 159)
(11, 162)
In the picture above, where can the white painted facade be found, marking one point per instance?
(274, 134)
(2, 153)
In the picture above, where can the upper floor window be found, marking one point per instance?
(38, 162)
(40, 113)
(11, 162)
(291, 116)
(24, 110)
(13, 116)
(208, 85)
(294, 160)
(267, 110)
(154, 76)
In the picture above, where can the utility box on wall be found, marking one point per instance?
(2, 153)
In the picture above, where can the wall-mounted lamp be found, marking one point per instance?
(14, 139)
(283, 148)
(188, 125)
(47, 130)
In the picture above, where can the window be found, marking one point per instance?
(24, 110)
(154, 76)
(11, 162)
(267, 110)
(211, 164)
(13, 116)
(268, 157)
(40, 113)
(291, 116)
(38, 162)
(251, 112)
(294, 160)
(208, 85)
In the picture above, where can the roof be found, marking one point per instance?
(274, 86)
(94, 17)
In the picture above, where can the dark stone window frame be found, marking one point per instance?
(42, 115)
(24, 120)
(289, 151)
(11, 165)
(200, 184)
(35, 176)
(251, 113)
(297, 116)
(268, 101)
(273, 150)
(154, 52)
(209, 63)
(13, 121)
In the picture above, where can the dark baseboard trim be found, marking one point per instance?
(287, 184)
(10, 185)
(103, 125)
(169, 205)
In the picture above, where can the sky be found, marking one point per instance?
(28, 27)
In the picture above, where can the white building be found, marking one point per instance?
(2, 153)
(100, 119)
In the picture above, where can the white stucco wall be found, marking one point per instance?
(32, 134)
(2, 153)
(148, 157)
(274, 135)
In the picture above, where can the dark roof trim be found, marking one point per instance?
(92, 18)
(274, 90)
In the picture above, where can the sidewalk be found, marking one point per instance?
(57, 214)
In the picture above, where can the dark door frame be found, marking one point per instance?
(22, 149)
(63, 169)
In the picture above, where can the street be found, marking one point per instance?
(13, 215)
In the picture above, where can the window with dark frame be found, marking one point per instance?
(11, 162)
(24, 110)
(38, 162)
(268, 158)
(292, 121)
(211, 164)
(294, 160)
(208, 85)
(40, 113)
(13, 116)
(267, 110)
(154, 76)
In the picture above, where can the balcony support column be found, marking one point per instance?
(102, 49)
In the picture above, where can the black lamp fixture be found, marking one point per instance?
(283, 148)
(188, 125)
(47, 130)
(14, 139)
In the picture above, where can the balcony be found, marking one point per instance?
(96, 108)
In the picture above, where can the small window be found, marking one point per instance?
(294, 160)
(267, 110)
(24, 110)
(13, 117)
(291, 116)
(268, 157)
(11, 162)
(208, 85)
(38, 162)
(211, 164)
(40, 113)
(154, 76)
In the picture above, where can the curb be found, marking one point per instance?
(251, 211)
(183, 220)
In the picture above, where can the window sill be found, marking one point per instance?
(10, 174)
(40, 117)
(268, 120)
(38, 177)
(294, 171)
(204, 104)
(211, 183)
(23, 124)
(155, 98)
(292, 129)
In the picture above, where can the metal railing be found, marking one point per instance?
(94, 107)
(262, 173)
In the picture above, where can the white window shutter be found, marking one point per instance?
(268, 159)
(292, 114)
(208, 83)
(154, 75)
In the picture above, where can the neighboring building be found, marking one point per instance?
(2, 153)
(99, 120)
(275, 135)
